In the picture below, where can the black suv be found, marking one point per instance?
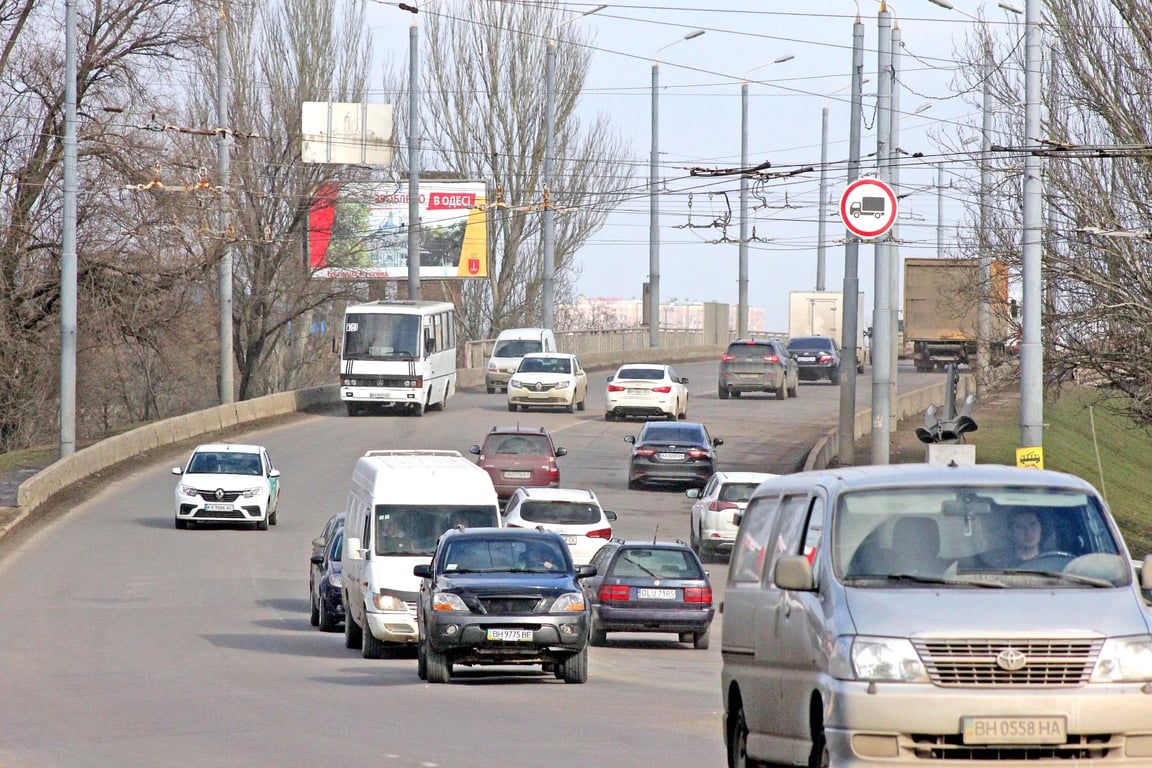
(502, 596)
(758, 365)
(649, 586)
(818, 357)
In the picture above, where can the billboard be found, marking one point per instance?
(338, 132)
(360, 231)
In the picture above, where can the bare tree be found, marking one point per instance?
(484, 76)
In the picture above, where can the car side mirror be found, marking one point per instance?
(274, 473)
(737, 517)
(354, 550)
(692, 493)
(612, 376)
(684, 380)
(717, 441)
(585, 571)
(630, 439)
(609, 514)
(177, 471)
(474, 449)
(794, 572)
(561, 451)
(424, 570)
(1146, 573)
(317, 559)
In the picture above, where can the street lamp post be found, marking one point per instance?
(548, 269)
(654, 200)
(742, 279)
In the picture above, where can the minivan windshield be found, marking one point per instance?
(516, 347)
(412, 529)
(984, 536)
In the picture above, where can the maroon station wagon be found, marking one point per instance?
(519, 457)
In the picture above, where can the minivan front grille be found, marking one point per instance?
(1008, 662)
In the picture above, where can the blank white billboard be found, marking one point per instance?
(337, 132)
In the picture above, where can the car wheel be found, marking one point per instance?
(421, 662)
(352, 630)
(736, 393)
(272, 516)
(370, 647)
(819, 758)
(571, 407)
(181, 525)
(329, 621)
(353, 409)
(511, 407)
(635, 485)
(781, 391)
(437, 666)
(314, 617)
(575, 668)
(262, 525)
(794, 389)
(609, 416)
(417, 410)
(835, 377)
(583, 404)
(722, 393)
(491, 390)
(738, 742)
(597, 636)
(700, 640)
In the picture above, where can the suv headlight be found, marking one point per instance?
(569, 601)
(877, 658)
(447, 601)
(1124, 660)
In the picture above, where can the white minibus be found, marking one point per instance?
(398, 355)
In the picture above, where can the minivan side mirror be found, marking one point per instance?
(561, 451)
(354, 550)
(1146, 573)
(794, 572)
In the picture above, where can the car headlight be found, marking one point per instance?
(251, 493)
(447, 601)
(188, 490)
(335, 580)
(569, 601)
(1124, 660)
(877, 658)
(515, 383)
(388, 603)
(563, 384)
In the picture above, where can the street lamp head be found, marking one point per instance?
(943, 4)
(1011, 8)
(693, 34)
(784, 58)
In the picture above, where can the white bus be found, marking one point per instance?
(398, 355)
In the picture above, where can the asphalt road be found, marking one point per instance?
(126, 642)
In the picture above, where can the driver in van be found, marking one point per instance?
(393, 537)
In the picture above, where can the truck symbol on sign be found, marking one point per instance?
(866, 206)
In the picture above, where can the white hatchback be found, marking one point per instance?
(548, 379)
(227, 483)
(646, 390)
(713, 518)
(573, 513)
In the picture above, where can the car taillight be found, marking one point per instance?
(771, 359)
(513, 525)
(600, 533)
(553, 471)
(825, 358)
(696, 453)
(727, 358)
(720, 506)
(614, 593)
(644, 452)
(615, 388)
(662, 390)
(698, 595)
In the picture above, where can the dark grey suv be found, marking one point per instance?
(502, 596)
(758, 365)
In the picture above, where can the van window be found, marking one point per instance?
(414, 529)
(517, 347)
(751, 544)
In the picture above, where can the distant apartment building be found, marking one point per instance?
(592, 313)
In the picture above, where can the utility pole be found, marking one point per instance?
(224, 171)
(881, 314)
(984, 337)
(1031, 349)
(548, 268)
(893, 250)
(68, 265)
(851, 297)
(414, 224)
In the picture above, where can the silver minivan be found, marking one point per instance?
(914, 614)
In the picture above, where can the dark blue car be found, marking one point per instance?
(327, 606)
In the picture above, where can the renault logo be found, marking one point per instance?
(219, 494)
(539, 387)
(1011, 660)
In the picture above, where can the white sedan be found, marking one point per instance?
(227, 483)
(548, 379)
(713, 519)
(646, 390)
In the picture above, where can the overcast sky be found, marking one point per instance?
(700, 127)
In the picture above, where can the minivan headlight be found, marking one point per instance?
(877, 658)
(1124, 660)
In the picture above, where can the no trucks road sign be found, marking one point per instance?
(868, 208)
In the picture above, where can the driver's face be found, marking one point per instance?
(1026, 529)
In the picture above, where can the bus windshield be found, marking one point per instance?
(371, 336)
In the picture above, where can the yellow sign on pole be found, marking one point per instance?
(1032, 457)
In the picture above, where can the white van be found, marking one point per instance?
(914, 614)
(399, 504)
(510, 348)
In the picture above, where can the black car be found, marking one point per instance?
(817, 356)
(320, 545)
(502, 596)
(326, 590)
(649, 586)
(677, 454)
